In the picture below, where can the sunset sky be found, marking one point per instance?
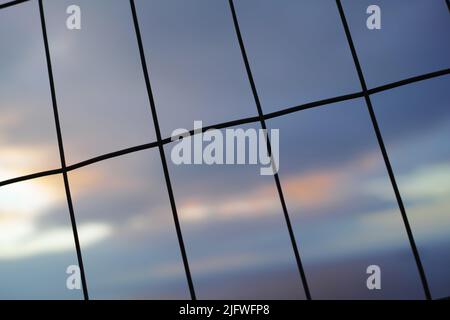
(337, 190)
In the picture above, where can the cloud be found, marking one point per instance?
(425, 192)
(23, 205)
(16, 161)
(310, 191)
(262, 201)
(225, 262)
(32, 198)
(427, 183)
(24, 241)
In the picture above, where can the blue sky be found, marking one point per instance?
(337, 190)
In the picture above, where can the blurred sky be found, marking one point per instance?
(337, 190)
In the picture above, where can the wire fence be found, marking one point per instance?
(261, 119)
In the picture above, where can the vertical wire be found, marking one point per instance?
(61, 152)
(384, 153)
(161, 152)
(276, 177)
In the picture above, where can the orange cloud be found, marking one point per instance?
(309, 190)
(315, 189)
(312, 189)
(19, 161)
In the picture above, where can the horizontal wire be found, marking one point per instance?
(31, 176)
(404, 82)
(314, 104)
(111, 155)
(12, 3)
(229, 124)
